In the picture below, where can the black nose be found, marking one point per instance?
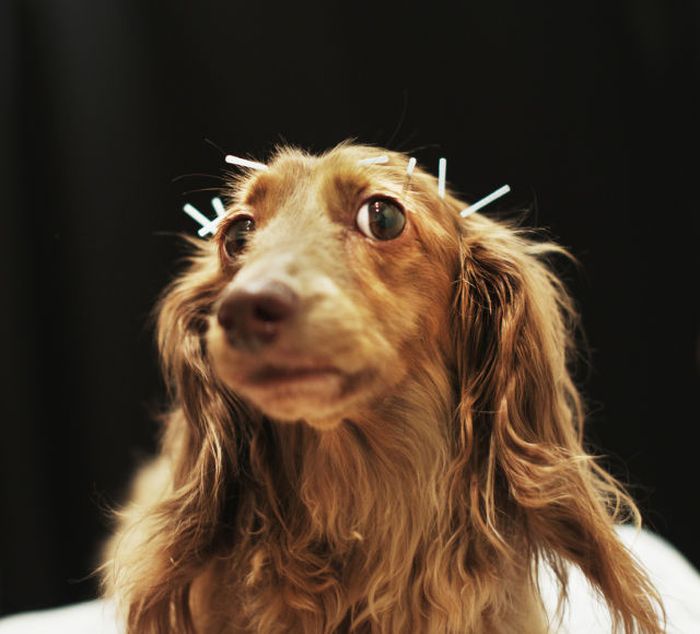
(251, 319)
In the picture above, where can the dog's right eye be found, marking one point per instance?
(237, 234)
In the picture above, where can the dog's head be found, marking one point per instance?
(336, 278)
(330, 285)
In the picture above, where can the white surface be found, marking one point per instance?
(677, 582)
(93, 617)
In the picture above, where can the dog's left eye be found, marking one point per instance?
(381, 219)
(237, 234)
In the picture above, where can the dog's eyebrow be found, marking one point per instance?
(258, 191)
(349, 186)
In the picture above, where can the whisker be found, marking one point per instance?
(237, 160)
(196, 174)
(200, 190)
(501, 191)
(402, 118)
(214, 145)
(419, 148)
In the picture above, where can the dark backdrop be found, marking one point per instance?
(586, 108)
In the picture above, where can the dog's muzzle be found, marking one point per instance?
(253, 319)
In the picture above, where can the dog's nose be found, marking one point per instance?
(256, 318)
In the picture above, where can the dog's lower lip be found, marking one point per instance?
(269, 375)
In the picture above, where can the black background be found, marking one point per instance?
(585, 108)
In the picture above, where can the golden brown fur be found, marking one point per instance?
(418, 492)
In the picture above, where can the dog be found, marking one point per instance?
(374, 427)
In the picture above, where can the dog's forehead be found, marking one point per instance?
(341, 175)
(303, 189)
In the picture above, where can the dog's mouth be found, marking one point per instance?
(275, 376)
(288, 384)
(296, 391)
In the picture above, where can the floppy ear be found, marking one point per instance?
(215, 418)
(531, 487)
(187, 496)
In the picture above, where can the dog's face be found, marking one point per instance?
(337, 280)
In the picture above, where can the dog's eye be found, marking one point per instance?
(381, 219)
(237, 234)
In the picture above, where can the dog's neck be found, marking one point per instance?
(377, 471)
(360, 509)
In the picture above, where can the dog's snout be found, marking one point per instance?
(252, 318)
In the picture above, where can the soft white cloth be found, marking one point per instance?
(93, 617)
(676, 580)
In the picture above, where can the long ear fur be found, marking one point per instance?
(161, 546)
(531, 485)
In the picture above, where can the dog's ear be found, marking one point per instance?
(530, 485)
(165, 535)
(216, 419)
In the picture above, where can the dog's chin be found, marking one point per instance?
(318, 396)
(295, 389)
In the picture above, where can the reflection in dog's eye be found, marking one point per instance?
(381, 219)
(237, 234)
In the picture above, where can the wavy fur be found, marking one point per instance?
(423, 502)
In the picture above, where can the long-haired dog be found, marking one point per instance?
(374, 426)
